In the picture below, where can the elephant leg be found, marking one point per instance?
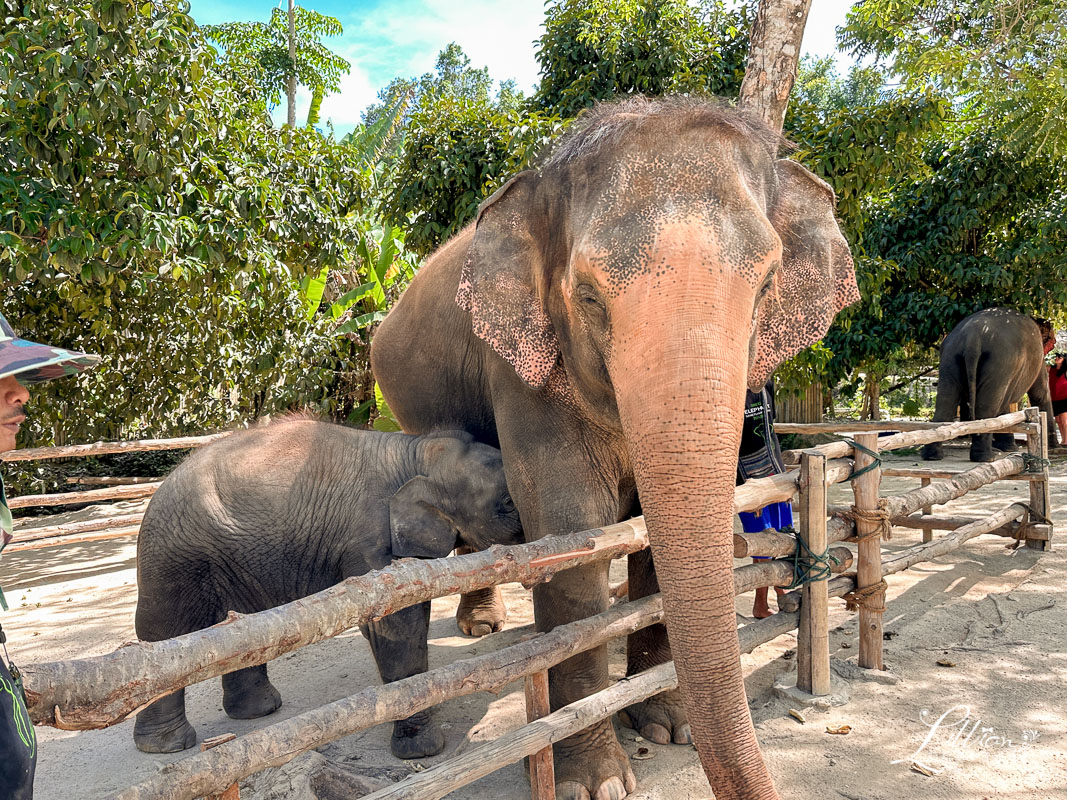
(483, 611)
(559, 488)
(398, 642)
(162, 727)
(1041, 397)
(949, 398)
(248, 693)
(990, 400)
(1005, 442)
(661, 718)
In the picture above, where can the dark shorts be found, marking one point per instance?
(18, 741)
(1059, 407)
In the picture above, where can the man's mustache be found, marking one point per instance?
(18, 416)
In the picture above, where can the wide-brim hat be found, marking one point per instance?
(36, 363)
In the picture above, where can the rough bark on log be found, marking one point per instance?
(103, 480)
(940, 493)
(87, 496)
(1013, 530)
(915, 472)
(278, 743)
(773, 54)
(779, 545)
(850, 426)
(104, 448)
(942, 433)
(74, 538)
(23, 534)
(951, 541)
(99, 691)
(758, 492)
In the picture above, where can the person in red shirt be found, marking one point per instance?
(1057, 385)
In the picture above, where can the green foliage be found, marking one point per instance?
(454, 157)
(150, 212)
(261, 49)
(998, 60)
(595, 50)
(981, 227)
(819, 86)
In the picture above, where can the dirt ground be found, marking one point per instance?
(994, 719)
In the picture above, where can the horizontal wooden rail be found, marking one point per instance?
(23, 534)
(87, 496)
(920, 472)
(1013, 530)
(943, 432)
(847, 426)
(897, 562)
(100, 480)
(214, 770)
(74, 538)
(109, 448)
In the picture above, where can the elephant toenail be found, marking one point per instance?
(656, 733)
(683, 735)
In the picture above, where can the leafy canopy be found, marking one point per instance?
(1000, 60)
(597, 49)
(262, 49)
(150, 212)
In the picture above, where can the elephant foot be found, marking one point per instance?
(1005, 442)
(249, 694)
(592, 766)
(482, 612)
(153, 734)
(933, 452)
(660, 719)
(418, 736)
(982, 454)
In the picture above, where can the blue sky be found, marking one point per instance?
(386, 38)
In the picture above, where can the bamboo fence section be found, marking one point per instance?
(97, 692)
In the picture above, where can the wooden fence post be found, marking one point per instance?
(928, 532)
(1037, 446)
(542, 770)
(813, 635)
(869, 554)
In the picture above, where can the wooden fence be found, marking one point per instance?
(100, 691)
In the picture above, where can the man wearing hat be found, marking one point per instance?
(22, 364)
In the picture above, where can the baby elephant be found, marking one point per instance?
(283, 510)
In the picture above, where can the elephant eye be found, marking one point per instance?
(589, 299)
(506, 504)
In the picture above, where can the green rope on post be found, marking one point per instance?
(808, 567)
(877, 462)
(1032, 463)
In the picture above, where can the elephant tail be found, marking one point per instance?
(971, 362)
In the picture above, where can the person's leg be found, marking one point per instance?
(1061, 421)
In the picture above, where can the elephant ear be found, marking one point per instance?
(417, 528)
(816, 278)
(498, 286)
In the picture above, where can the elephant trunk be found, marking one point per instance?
(684, 373)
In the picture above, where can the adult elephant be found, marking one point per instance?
(600, 323)
(987, 362)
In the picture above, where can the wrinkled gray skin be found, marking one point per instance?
(285, 510)
(987, 362)
(601, 322)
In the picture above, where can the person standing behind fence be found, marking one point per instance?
(760, 456)
(22, 363)
(1057, 386)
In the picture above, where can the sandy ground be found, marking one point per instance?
(995, 614)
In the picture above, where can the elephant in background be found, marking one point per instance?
(284, 510)
(600, 322)
(987, 362)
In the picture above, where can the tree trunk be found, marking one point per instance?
(291, 93)
(773, 54)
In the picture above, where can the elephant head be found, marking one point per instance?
(661, 259)
(459, 497)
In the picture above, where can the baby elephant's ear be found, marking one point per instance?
(417, 528)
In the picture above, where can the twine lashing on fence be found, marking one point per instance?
(877, 459)
(808, 566)
(870, 597)
(1032, 463)
(879, 517)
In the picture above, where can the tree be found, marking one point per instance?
(151, 213)
(597, 50)
(773, 53)
(263, 49)
(998, 60)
